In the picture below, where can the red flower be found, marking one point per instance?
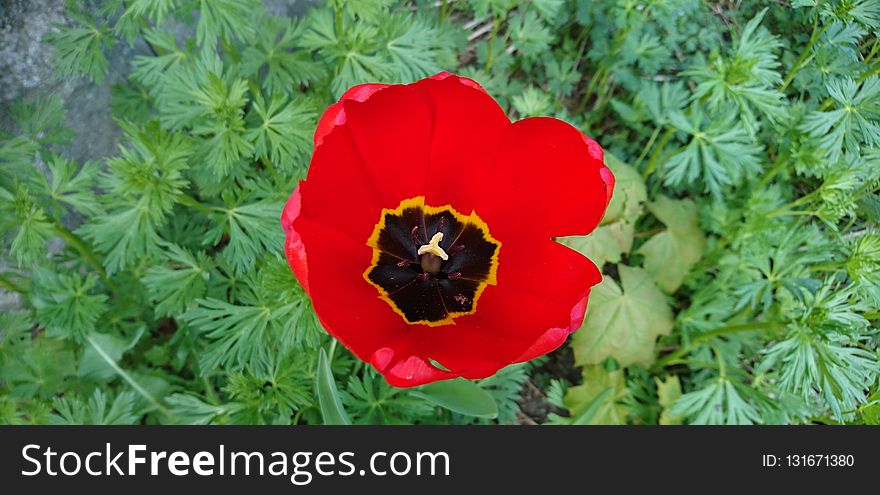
(423, 232)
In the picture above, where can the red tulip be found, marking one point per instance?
(424, 231)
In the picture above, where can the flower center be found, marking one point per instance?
(431, 280)
(432, 254)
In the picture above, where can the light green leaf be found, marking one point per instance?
(614, 236)
(600, 400)
(623, 322)
(606, 244)
(461, 396)
(328, 396)
(668, 391)
(629, 191)
(669, 255)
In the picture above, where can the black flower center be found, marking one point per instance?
(431, 263)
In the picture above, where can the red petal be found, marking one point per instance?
(335, 115)
(546, 269)
(555, 337)
(349, 308)
(506, 324)
(391, 132)
(547, 173)
(338, 192)
(467, 126)
(608, 177)
(410, 371)
(294, 249)
(463, 80)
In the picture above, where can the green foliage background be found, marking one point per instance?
(741, 250)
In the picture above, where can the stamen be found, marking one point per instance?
(414, 233)
(433, 247)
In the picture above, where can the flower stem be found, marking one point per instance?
(658, 152)
(781, 162)
(647, 148)
(267, 164)
(490, 57)
(131, 381)
(194, 203)
(805, 55)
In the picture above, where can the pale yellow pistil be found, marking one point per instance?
(432, 253)
(433, 247)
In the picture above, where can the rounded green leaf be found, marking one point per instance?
(623, 321)
(671, 254)
(461, 396)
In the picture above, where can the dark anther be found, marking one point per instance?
(454, 275)
(403, 263)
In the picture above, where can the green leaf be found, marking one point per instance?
(668, 392)
(853, 123)
(79, 50)
(152, 71)
(24, 217)
(131, 19)
(146, 181)
(719, 403)
(623, 321)
(253, 230)
(600, 400)
(97, 410)
(100, 359)
(72, 185)
(328, 397)
(224, 18)
(413, 50)
(191, 410)
(614, 236)
(277, 48)
(606, 244)
(748, 78)
(281, 131)
(370, 400)
(629, 192)
(531, 102)
(529, 34)
(720, 151)
(669, 255)
(461, 396)
(65, 304)
(174, 286)
(38, 370)
(40, 120)
(355, 55)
